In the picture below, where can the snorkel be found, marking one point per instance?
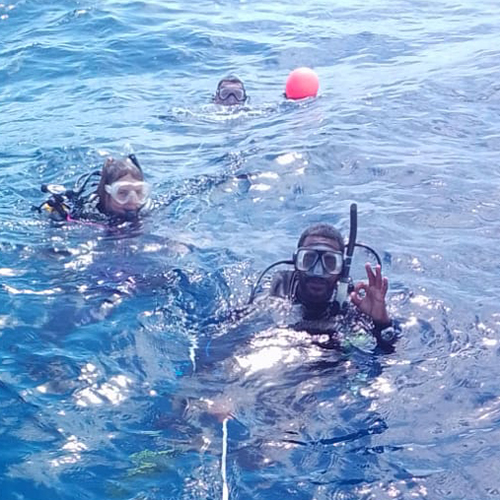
(135, 161)
(343, 283)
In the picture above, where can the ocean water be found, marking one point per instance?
(118, 363)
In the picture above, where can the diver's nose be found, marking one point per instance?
(317, 270)
(132, 197)
(231, 100)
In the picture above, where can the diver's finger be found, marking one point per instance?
(370, 274)
(355, 296)
(378, 276)
(385, 285)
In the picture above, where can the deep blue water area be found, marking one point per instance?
(118, 357)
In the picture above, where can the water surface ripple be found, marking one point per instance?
(117, 366)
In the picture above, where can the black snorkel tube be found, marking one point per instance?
(135, 161)
(343, 283)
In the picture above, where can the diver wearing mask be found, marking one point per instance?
(122, 191)
(230, 92)
(320, 285)
(119, 195)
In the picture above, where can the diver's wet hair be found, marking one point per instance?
(112, 171)
(325, 231)
(229, 79)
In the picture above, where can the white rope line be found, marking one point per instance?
(193, 344)
(225, 489)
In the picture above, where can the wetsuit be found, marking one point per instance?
(331, 320)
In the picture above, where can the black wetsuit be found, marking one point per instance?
(331, 320)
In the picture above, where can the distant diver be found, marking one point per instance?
(230, 92)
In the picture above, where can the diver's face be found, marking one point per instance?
(316, 285)
(230, 93)
(129, 196)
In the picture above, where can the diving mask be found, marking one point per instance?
(224, 92)
(319, 260)
(124, 192)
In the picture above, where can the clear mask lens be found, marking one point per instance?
(129, 192)
(307, 260)
(237, 92)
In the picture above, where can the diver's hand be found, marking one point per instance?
(372, 302)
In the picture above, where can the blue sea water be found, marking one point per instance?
(114, 357)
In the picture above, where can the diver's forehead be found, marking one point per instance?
(127, 178)
(227, 83)
(321, 241)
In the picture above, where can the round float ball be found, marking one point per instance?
(301, 83)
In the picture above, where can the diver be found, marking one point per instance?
(230, 92)
(115, 194)
(320, 286)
